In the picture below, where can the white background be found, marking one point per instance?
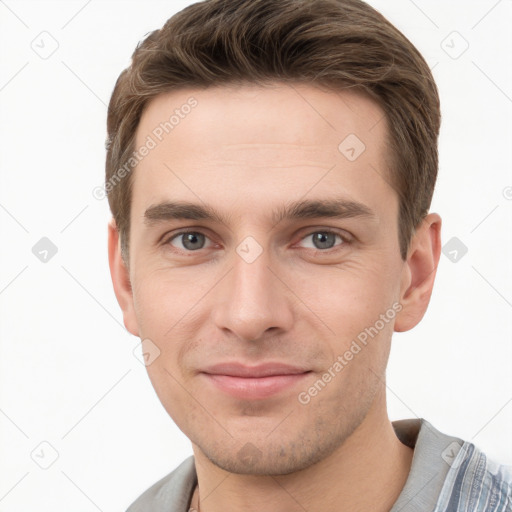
(68, 374)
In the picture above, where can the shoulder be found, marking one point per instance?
(450, 475)
(170, 494)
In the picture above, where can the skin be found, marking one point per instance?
(246, 151)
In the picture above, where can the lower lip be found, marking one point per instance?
(255, 388)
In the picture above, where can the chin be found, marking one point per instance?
(248, 455)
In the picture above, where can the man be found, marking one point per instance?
(270, 169)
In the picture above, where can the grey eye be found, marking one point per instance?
(190, 241)
(323, 240)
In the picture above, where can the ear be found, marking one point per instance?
(121, 279)
(419, 272)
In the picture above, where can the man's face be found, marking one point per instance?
(229, 300)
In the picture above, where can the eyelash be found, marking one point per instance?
(345, 240)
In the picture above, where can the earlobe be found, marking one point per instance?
(121, 279)
(419, 272)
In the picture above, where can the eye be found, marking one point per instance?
(322, 240)
(188, 241)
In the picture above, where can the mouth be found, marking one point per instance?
(254, 382)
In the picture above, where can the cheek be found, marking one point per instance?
(351, 296)
(166, 301)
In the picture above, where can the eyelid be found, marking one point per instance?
(169, 235)
(345, 235)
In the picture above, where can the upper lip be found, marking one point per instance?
(261, 370)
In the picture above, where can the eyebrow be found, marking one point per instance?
(304, 209)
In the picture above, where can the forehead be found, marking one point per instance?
(260, 143)
(303, 114)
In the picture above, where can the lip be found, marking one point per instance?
(254, 382)
(234, 369)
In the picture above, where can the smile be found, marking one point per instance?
(254, 383)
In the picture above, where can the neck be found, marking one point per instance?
(367, 472)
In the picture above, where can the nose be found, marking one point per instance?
(252, 301)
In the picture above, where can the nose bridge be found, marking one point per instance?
(251, 299)
(252, 282)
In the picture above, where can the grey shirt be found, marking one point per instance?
(447, 475)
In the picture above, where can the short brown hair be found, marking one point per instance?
(336, 44)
